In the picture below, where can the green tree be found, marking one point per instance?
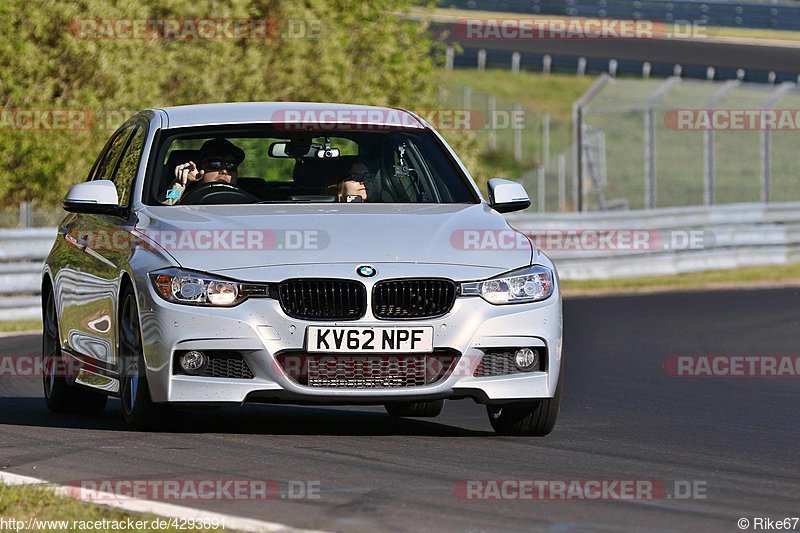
(325, 50)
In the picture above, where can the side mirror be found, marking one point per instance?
(92, 197)
(506, 196)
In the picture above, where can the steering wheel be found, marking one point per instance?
(217, 193)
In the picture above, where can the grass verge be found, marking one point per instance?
(553, 93)
(740, 278)
(20, 325)
(24, 503)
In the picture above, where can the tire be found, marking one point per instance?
(535, 419)
(138, 409)
(59, 395)
(427, 409)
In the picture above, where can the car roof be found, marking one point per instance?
(294, 112)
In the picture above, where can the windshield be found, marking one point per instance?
(269, 164)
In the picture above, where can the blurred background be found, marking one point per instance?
(70, 57)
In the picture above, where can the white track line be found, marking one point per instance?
(135, 505)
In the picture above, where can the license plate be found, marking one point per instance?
(376, 339)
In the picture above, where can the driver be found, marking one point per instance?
(218, 162)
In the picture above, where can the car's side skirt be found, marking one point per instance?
(94, 373)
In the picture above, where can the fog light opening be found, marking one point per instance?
(193, 362)
(526, 359)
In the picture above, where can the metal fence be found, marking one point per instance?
(648, 144)
(637, 152)
(520, 139)
(29, 215)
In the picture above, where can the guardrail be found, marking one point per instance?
(22, 253)
(680, 240)
(595, 245)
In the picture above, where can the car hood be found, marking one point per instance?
(220, 238)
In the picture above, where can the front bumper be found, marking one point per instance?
(259, 330)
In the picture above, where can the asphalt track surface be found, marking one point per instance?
(622, 418)
(699, 52)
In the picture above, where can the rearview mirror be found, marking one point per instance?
(93, 197)
(290, 149)
(506, 196)
(279, 149)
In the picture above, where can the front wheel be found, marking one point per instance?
(535, 418)
(59, 396)
(138, 409)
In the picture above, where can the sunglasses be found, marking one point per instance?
(217, 164)
(361, 176)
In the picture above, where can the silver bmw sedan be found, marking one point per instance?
(294, 252)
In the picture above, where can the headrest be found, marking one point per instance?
(323, 172)
(315, 172)
(346, 162)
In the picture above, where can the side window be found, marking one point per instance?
(128, 166)
(100, 159)
(106, 167)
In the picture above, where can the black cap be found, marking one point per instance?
(220, 146)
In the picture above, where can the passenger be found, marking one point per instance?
(355, 185)
(218, 162)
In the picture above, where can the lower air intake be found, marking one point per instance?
(366, 371)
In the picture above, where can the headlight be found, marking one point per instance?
(530, 284)
(197, 288)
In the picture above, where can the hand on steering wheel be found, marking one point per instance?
(217, 193)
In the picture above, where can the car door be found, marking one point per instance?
(114, 243)
(95, 250)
